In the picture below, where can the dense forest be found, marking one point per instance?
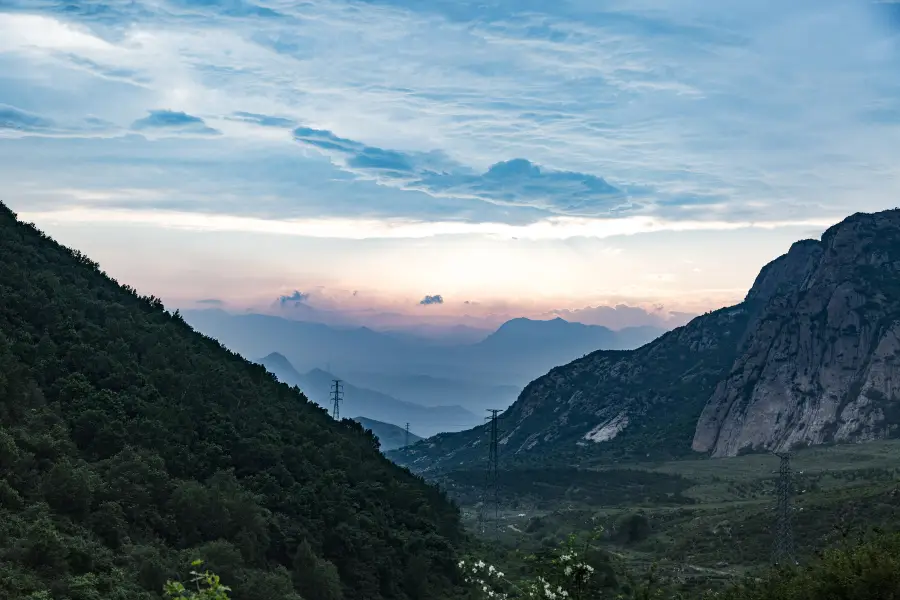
(130, 444)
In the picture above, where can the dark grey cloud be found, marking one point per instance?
(516, 182)
(211, 302)
(293, 299)
(436, 299)
(173, 122)
(263, 120)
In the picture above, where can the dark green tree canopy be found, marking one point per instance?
(129, 442)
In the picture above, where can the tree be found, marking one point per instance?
(317, 579)
(202, 586)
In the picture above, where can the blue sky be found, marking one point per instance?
(512, 157)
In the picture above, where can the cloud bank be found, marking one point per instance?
(429, 300)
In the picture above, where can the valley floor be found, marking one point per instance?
(715, 523)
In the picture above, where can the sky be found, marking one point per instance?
(447, 161)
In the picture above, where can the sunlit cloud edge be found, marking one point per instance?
(554, 228)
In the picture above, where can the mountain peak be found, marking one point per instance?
(276, 356)
(810, 357)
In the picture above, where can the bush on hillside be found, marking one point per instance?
(869, 570)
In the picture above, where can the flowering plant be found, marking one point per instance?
(486, 580)
(564, 575)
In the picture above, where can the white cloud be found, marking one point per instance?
(31, 31)
(554, 228)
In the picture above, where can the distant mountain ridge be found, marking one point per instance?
(812, 355)
(389, 435)
(362, 402)
(479, 375)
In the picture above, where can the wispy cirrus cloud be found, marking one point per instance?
(264, 120)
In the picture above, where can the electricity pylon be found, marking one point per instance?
(783, 548)
(491, 491)
(337, 395)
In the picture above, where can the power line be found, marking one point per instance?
(783, 548)
(337, 395)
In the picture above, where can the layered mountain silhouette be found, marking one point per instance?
(362, 402)
(487, 374)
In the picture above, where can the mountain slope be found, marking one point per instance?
(389, 435)
(811, 355)
(358, 401)
(642, 402)
(130, 444)
(823, 362)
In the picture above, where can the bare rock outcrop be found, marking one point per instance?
(819, 360)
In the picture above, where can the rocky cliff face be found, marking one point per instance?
(820, 360)
(812, 355)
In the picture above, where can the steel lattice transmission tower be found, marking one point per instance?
(337, 396)
(492, 483)
(407, 434)
(482, 506)
(783, 548)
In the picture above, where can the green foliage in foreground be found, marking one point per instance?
(130, 443)
(202, 586)
(866, 570)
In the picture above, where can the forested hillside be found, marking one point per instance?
(129, 444)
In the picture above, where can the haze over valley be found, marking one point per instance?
(434, 386)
